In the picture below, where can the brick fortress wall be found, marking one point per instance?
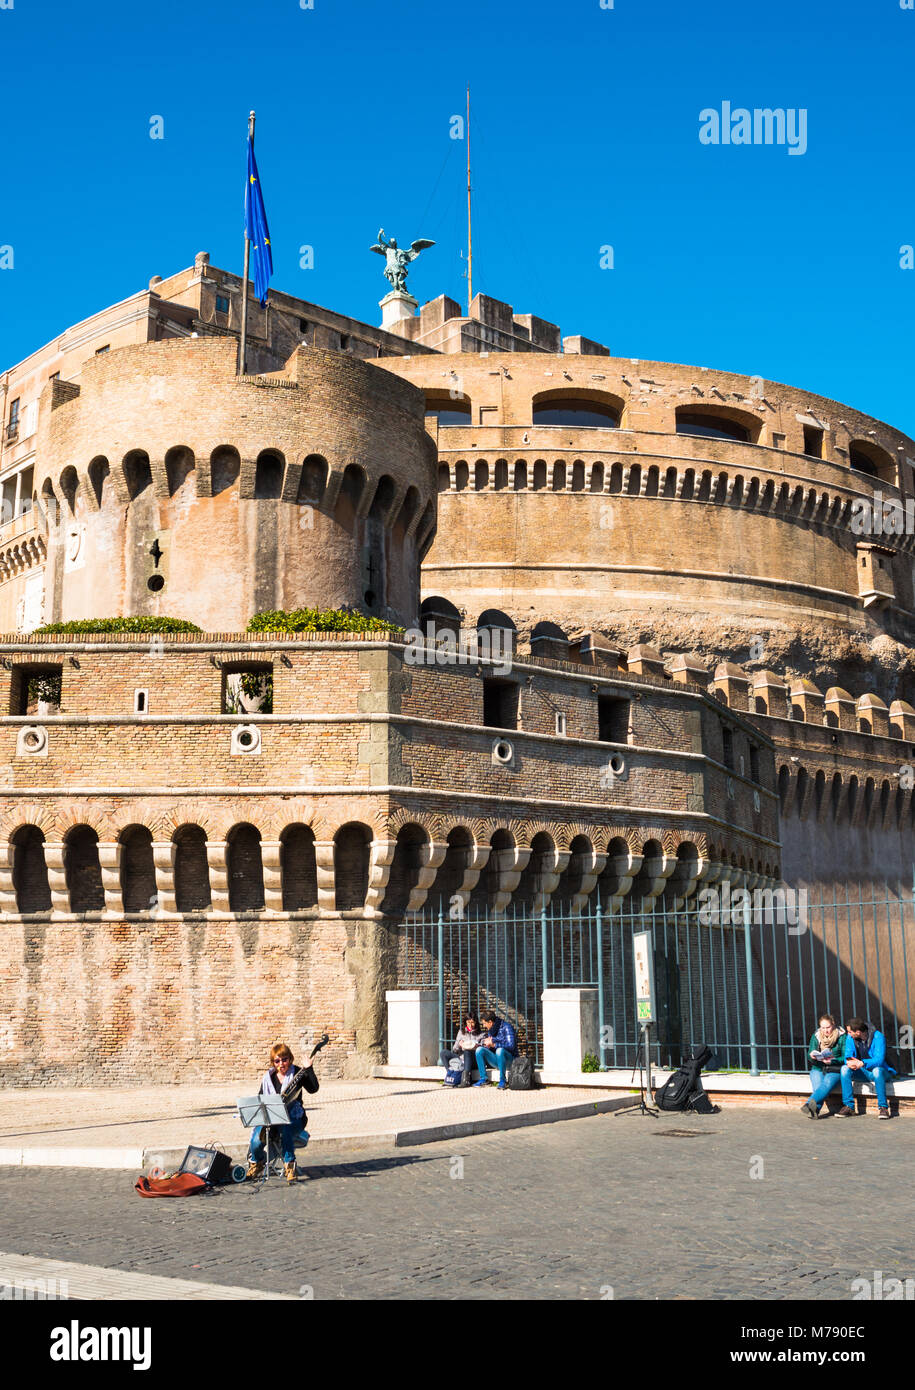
(165, 900)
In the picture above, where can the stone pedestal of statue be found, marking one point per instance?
(396, 306)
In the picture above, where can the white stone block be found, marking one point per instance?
(570, 1027)
(412, 1027)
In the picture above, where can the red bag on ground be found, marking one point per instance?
(181, 1185)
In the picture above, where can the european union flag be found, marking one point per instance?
(256, 229)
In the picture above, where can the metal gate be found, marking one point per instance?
(751, 985)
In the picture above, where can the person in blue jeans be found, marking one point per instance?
(278, 1079)
(825, 1055)
(865, 1056)
(498, 1048)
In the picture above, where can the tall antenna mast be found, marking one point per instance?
(469, 225)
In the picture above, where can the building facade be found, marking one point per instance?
(635, 600)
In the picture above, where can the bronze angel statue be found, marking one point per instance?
(397, 259)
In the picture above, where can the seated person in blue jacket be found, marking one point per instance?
(825, 1056)
(278, 1078)
(498, 1048)
(465, 1045)
(865, 1056)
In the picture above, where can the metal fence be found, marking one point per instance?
(753, 992)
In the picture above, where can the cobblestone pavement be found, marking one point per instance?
(664, 1208)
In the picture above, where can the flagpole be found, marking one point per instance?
(242, 347)
(469, 237)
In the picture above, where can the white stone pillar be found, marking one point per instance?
(510, 865)
(218, 865)
(412, 1027)
(8, 905)
(591, 872)
(324, 870)
(380, 861)
(431, 856)
(273, 876)
(164, 852)
(553, 866)
(570, 1027)
(57, 877)
(109, 858)
(478, 858)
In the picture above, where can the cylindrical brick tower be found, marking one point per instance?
(170, 485)
(692, 508)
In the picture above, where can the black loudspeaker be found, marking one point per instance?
(209, 1164)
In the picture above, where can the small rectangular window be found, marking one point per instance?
(612, 719)
(500, 704)
(25, 490)
(560, 722)
(303, 325)
(222, 304)
(247, 689)
(7, 500)
(106, 348)
(141, 701)
(813, 442)
(14, 411)
(32, 685)
(727, 740)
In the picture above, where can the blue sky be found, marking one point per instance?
(585, 134)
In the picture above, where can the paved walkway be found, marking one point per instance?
(152, 1125)
(26, 1277)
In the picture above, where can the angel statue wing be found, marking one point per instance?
(379, 249)
(421, 245)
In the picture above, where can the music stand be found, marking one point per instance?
(263, 1110)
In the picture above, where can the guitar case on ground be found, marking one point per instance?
(683, 1089)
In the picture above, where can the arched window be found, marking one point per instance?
(576, 410)
(179, 465)
(352, 844)
(448, 410)
(69, 484)
(312, 479)
(137, 473)
(245, 869)
(268, 475)
(192, 872)
(865, 457)
(225, 465)
(708, 424)
(298, 868)
(99, 470)
(349, 496)
(405, 868)
(30, 872)
(82, 870)
(138, 872)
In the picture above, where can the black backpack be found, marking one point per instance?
(521, 1075)
(683, 1089)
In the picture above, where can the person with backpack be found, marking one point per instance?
(462, 1054)
(276, 1079)
(865, 1056)
(825, 1055)
(498, 1047)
